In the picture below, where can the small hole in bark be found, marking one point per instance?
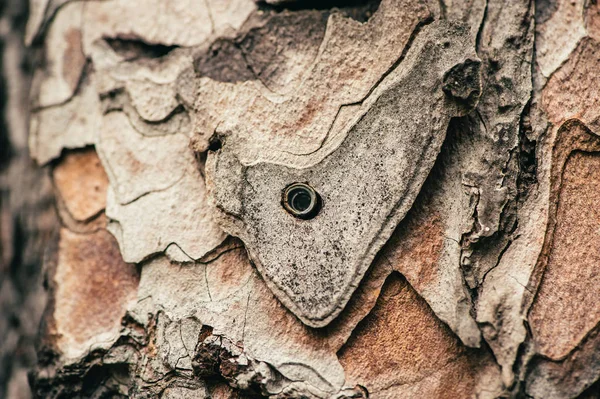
(301, 200)
(93, 378)
(214, 144)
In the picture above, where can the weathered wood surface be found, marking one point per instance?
(456, 142)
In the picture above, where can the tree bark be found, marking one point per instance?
(297, 199)
(27, 213)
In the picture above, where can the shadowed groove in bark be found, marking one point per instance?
(360, 10)
(134, 49)
(5, 144)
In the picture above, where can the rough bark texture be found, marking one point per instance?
(453, 146)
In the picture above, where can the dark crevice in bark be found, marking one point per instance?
(360, 10)
(480, 30)
(90, 378)
(527, 175)
(525, 352)
(134, 49)
(5, 145)
(224, 62)
(214, 361)
(593, 392)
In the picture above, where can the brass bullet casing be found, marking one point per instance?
(301, 200)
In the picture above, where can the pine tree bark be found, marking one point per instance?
(297, 199)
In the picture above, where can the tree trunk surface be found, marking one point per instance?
(300, 199)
